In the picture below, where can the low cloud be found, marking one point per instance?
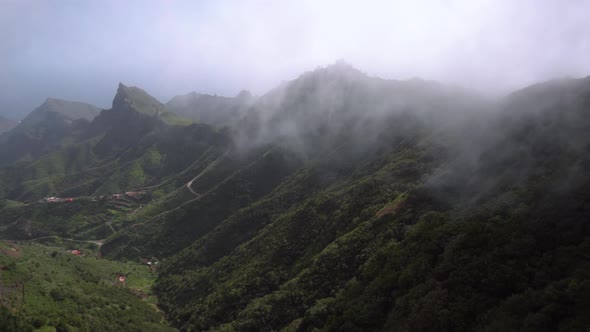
(81, 50)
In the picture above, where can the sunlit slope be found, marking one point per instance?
(341, 201)
(48, 287)
(129, 146)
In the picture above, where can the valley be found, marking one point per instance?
(336, 201)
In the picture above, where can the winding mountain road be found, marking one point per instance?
(99, 243)
(211, 165)
(189, 184)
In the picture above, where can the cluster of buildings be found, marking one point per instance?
(58, 200)
(76, 252)
(131, 194)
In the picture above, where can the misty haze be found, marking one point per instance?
(294, 165)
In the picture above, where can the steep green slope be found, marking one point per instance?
(138, 100)
(255, 167)
(131, 97)
(48, 287)
(269, 244)
(126, 147)
(338, 202)
(441, 234)
(172, 226)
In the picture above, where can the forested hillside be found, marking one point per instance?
(337, 201)
(431, 218)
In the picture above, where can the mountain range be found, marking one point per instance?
(336, 201)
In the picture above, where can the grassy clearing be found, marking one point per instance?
(77, 292)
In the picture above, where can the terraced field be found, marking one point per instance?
(46, 287)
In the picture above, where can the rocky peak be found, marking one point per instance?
(136, 99)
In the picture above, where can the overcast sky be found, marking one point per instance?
(80, 50)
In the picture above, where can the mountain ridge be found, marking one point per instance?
(47, 128)
(211, 109)
(70, 110)
(136, 99)
(337, 201)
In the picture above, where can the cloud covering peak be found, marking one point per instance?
(80, 50)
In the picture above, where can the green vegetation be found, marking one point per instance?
(82, 219)
(338, 202)
(48, 288)
(53, 125)
(138, 100)
(174, 120)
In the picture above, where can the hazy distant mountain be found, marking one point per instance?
(45, 129)
(134, 143)
(322, 107)
(6, 124)
(213, 110)
(68, 110)
(336, 201)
